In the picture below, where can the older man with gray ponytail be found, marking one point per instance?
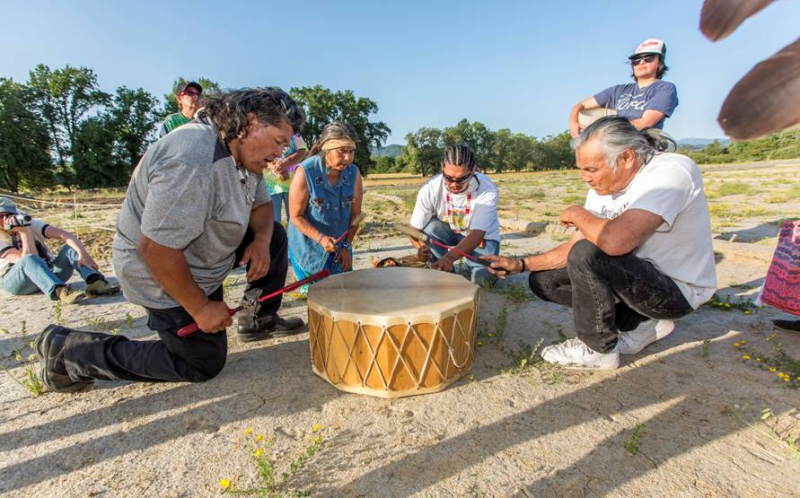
(641, 255)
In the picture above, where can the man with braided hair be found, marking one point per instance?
(195, 208)
(458, 207)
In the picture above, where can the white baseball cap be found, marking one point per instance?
(650, 46)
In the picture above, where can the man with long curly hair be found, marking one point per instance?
(195, 208)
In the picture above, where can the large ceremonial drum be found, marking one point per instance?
(392, 332)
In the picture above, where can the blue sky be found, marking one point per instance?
(508, 64)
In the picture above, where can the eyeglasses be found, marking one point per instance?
(458, 181)
(190, 93)
(646, 58)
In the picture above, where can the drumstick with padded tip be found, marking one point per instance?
(193, 327)
(430, 241)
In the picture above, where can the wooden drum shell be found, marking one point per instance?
(374, 332)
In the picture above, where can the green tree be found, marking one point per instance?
(423, 151)
(558, 153)
(171, 99)
(132, 116)
(95, 163)
(385, 164)
(24, 140)
(64, 98)
(321, 106)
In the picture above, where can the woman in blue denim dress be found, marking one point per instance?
(324, 198)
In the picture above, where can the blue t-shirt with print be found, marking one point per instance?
(630, 101)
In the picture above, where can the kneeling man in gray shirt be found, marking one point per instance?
(196, 207)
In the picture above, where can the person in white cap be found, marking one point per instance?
(648, 102)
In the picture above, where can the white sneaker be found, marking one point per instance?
(646, 333)
(574, 353)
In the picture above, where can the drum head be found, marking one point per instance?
(394, 292)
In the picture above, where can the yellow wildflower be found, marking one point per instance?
(787, 379)
(743, 341)
(259, 452)
(772, 369)
(225, 483)
(248, 431)
(479, 343)
(736, 344)
(316, 427)
(758, 360)
(259, 438)
(746, 357)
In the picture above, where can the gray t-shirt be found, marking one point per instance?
(186, 193)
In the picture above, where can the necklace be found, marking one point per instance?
(458, 219)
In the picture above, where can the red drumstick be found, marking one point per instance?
(428, 241)
(192, 328)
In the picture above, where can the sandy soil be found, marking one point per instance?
(499, 432)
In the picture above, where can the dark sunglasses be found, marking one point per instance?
(458, 181)
(646, 58)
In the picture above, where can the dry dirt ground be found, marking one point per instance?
(682, 418)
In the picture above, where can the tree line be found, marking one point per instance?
(495, 151)
(781, 145)
(60, 129)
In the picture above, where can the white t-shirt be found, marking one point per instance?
(474, 209)
(671, 186)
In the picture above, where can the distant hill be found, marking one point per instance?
(701, 143)
(392, 150)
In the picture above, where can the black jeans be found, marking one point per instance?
(198, 357)
(609, 294)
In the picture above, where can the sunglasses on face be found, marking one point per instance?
(458, 181)
(647, 58)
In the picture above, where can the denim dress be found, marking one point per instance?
(328, 211)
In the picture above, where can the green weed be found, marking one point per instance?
(785, 367)
(267, 466)
(782, 430)
(727, 304)
(736, 188)
(57, 311)
(632, 444)
(129, 320)
(517, 292)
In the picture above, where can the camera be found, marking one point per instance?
(16, 220)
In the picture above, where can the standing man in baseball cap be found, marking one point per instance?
(648, 102)
(188, 104)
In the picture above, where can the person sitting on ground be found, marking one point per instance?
(27, 266)
(458, 207)
(188, 104)
(325, 197)
(279, 174)
(648, 102)
(642, 254)
(196, 207)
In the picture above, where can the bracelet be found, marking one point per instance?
(522, 261)
(346, 245)
(319, 239)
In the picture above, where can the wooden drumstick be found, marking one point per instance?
(193, 327)
(430, 242)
